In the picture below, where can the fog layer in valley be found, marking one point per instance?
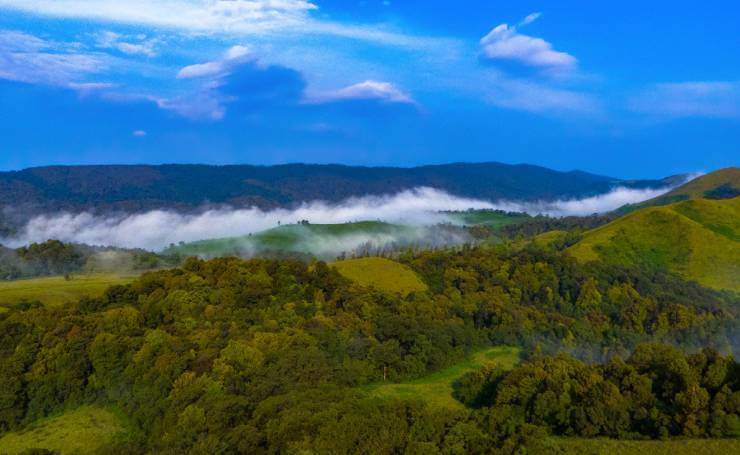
(157, 229)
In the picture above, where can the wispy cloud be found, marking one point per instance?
(30, 59)
(235, 56)
(713, 99)
(127, 44)
(537, 97)
(241, 17)
(367, 90)
(505, 42)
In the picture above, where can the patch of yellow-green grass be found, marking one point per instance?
(382, 274)
(601, 446)
(698, 239)
(547, 238)
(84, 430)
(436, 388)
(57, 290)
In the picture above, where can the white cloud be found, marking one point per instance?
(139, 133)
(505, 42)
(128, 44)
(714, 99)
(156, 229)
(367, 90)
(235, 56)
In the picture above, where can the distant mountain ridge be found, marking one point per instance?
(146, 187)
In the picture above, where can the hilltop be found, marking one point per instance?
(720, 184)
(698, 239)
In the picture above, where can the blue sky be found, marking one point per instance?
(616, 88)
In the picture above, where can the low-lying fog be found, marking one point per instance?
(157, 229)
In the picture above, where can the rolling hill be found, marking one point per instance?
(136, 188)
(698, 239)
(720, 184)
(324, 241)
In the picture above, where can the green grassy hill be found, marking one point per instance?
(322, 240)
(84, 430)
(382, 274)
(491, 218)
(698, 239)
(56, 290)
(721, 184)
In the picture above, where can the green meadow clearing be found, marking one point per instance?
(57, 290)
(81, 431)
(603, 446)
(436, 389)
(382, 274)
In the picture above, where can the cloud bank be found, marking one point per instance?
(157, 229)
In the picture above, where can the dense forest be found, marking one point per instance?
(270, 356)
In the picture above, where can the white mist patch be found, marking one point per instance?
(158, 229)
(601, 203)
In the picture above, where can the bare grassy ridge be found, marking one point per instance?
(382, 274)
(698, 239)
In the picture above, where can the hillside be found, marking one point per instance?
(720, 184)
(324, 241)
(699, 239)
(382, 274)
(135, 188)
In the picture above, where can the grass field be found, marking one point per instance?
(602, 446)
(489, 218)
(56, 290)
(82, 431)
(436, 389)
(698, 239)
(382, 274)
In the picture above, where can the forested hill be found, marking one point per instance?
(133, 188)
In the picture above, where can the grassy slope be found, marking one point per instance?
(436, 389)
(83, 430)
(382, 274)
(56, 290)
(603, 446)
(699, 239)
(695, 189)
(489, 218)
(294, 238)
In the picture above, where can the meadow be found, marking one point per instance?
(57, 290)
(604, 446)
(80, 431)
(382, 274)
(436, 389)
